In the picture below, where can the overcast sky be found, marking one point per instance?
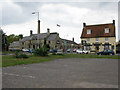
(17, 16)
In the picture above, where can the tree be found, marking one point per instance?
(12, 37)
(4, 40)
(20, 36)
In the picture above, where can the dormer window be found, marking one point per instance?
(89, 31)
(106, 30)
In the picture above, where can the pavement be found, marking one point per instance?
(63, 73)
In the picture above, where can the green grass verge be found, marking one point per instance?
(12, 61)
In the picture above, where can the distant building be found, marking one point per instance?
(37, 40)
(14, 46)
(3, 40)
(118, 47)
(98, 37)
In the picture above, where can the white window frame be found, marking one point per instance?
(107, 30)
(88, 31)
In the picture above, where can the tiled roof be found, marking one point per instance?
(15, 44)
(41, 36)
(68, 41)
(98, 31)
(52, 36)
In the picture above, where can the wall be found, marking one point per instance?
(101, 40)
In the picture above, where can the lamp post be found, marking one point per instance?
(72, 48)
(65, 44)
(37, 28)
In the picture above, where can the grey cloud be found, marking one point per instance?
(11, 16)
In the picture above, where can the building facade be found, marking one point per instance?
(99, 37)
(14, 46)
(35, 41)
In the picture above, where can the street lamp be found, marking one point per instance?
(38, 28)
(65, 44)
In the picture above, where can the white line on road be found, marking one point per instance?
(19, 75)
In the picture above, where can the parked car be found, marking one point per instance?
(59, 51)
(25, 50)
(81, 51)
(106, 52)
(74, 50)
(68, 50)
(85, 51)
(53, 50)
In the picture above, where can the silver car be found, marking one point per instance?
(59, 51)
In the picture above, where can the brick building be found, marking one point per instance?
(99, 37)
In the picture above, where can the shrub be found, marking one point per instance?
(20, 55)
(54, 53)
(41, 51)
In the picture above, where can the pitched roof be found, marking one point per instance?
(68, 41)
(98, 31)
(15, 44)
(41, 36)
(52, 36)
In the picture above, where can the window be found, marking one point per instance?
(106, 39)
(106, 30)
(97, 39)
(83, 42)
(88, 40)
(113, 47)
(49, 42)
(88, 31)
(87, 47)
(58, 42)
(106, 47)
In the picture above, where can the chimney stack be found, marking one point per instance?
(84, 24)
(73, 39)
(48, 31)
(38, 26)
(113, 22)
(31, 32)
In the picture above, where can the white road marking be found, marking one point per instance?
(19, 75)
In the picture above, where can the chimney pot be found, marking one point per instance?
(73, 39)
(114, 22)
(48, 30)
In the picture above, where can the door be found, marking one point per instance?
(97, 49)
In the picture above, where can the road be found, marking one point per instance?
(63, 73)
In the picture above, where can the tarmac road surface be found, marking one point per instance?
(63, 73)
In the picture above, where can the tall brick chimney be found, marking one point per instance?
(31, 32)
(73, 39)
(84, 24)
(114, 22)
(48, 31)
(38, 26)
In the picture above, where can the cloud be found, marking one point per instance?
(69, 15)
(61, 13)
(10, 12)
